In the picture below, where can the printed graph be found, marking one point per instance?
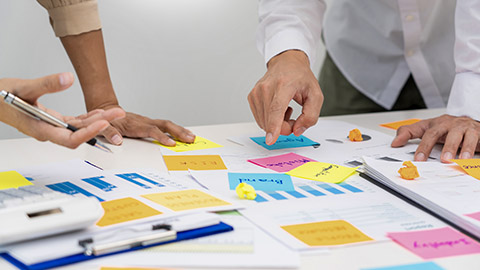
(72, 189)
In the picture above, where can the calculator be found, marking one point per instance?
(30, 212)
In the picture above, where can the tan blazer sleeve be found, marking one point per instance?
(72, 17)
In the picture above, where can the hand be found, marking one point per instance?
(288, 77)
(30, 90)
(137, 126)
(454, 132)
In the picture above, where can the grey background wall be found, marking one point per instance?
(193, 62)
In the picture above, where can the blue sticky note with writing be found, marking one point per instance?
(283, 142)
(262, 181)
(415, 266)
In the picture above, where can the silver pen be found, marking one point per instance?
(38, 114)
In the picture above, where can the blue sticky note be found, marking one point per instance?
(415, 266)
(290, 141)
(262, 181)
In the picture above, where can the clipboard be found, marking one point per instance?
(85, 256)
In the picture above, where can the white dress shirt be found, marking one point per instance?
(377, 44)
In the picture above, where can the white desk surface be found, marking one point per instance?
(133, 153)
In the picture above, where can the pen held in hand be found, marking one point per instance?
(38, 114)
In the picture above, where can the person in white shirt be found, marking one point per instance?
(380, 47)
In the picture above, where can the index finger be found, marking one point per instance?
(275, 114)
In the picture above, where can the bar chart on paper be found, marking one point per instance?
(311, 189)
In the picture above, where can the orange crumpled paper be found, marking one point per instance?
(409, 172)
(355, 135)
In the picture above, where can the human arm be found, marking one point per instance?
(85, 48)
(287, 36)
(459, 129)
(30, 90)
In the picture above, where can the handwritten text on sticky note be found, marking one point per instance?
(12, 179)
(197, 162)
(327, 233)
(262, 181)
(126, 209)
(321, 171)
(290, 141)
(199, 144)
(470, 166)
(185, 199)
(436, 243)
(281, 163)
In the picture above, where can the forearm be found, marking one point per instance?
(87, 54)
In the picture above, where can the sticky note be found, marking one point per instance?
(262, 181)
(326, 233)
(470, 166)
(397, 124)
(125, 209)
(413, 266)
(290, 141)
(474, 215)
(197, 162)
(281, 163)
(321, 171)
(12, 179)
(199, 144)
(185, 199)
(436, 243)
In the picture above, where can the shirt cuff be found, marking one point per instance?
(464, 97)
(288, 40)
(75, 19)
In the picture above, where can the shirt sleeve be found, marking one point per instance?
(465, 95)
(72, 17)
(289, 25)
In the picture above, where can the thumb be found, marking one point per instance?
(35, 88)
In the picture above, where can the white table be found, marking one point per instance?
(138, 153)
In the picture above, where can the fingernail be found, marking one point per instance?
(171, 142)
(65, 78)
(420, 157)
(465, 155)
(117, 139)
(269, 138)
(447, 156)
(190, 137)
(299, 131)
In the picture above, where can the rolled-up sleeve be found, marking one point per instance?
(72, 17)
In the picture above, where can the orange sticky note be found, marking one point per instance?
(470, 166)
(397, 124)
(409, 172)
(198, 162)
(126, 209)
(185, 199)
(327, 233)
(355, 135)
(12, 179)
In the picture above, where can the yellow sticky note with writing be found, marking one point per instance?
(125, 209)
(397, 124)
(185, 199)
(198, 144)
(12, 179)
(321, 171)
(326, 233)
(470, 166)
(197, 162)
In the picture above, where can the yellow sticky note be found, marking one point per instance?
(197, 162)
(198, 144)
(470, 166)
(321, 171)
(12, 179)
(327, 233)
(125, 209)
(397, 124)
(185, 199)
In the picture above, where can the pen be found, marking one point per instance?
(38, 114)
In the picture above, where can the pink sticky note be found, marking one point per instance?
(281, 163)
(436, 243)
(474, 215)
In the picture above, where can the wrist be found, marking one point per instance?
(289, 56)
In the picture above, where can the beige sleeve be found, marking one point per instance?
(72, 17)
